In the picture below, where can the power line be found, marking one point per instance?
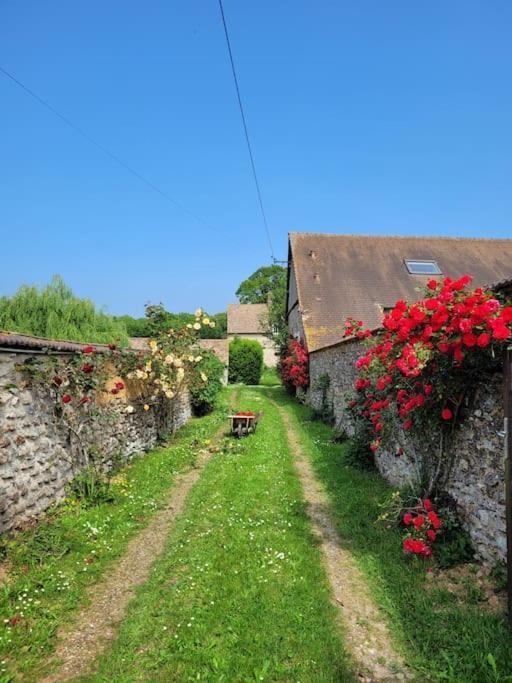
(253, 166)
(104, 149)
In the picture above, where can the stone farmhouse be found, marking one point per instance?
(248, 321)
(331, 277)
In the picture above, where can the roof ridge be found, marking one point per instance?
(407, 237)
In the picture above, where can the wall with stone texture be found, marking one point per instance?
(477, 483)
(39, 456)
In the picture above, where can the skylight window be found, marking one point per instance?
(422, 267)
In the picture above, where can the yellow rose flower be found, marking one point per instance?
(198, 359)
(146, 407)
(206, 321)
(204, 377)
(212, 323)
(198, 313)
(197, 326)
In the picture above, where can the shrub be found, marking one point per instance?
(294, 365)
(245, 361)
(204, 395)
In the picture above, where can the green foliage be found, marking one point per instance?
(358, 453)
(325, 412)
(256, 288)
(158, 320)
(204, 396)
(54, 312)
(453, 545)
(91, 487)
(245, 361)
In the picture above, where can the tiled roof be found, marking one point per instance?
(25, 342)
(246, 318)
(355, 275)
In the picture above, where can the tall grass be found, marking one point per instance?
(56, 313)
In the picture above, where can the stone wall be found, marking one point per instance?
(39, 455)
(338, 363)
(477, 483)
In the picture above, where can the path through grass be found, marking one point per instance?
(240, 594)
(51, 565)
(444, 638)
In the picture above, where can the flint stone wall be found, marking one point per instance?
(477, 483)
(39, 455)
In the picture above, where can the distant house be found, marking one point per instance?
(331, 277)
(248, 321)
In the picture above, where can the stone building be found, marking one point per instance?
(248, 321)
(331, 277)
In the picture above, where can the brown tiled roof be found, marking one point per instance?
(25, 342)
(246, 318)
(357, 275)
(220, 348)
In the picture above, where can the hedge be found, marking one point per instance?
(245, 361)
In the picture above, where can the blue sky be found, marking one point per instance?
(371, 117)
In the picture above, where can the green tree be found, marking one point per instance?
(256, 288)
(54, 312)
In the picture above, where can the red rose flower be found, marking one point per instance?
(432, 285)
(427, 504)
(57, 381)
(120, 386)
(431, 535)
(446, 414)
(87, 368)
(67, 398)
(88, 349)
(434, 519)
(418, 521)
(407, 518)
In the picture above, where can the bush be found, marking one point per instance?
(203, 396)
(245, 361)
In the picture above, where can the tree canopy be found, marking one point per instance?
(54, 312)
(256, 288)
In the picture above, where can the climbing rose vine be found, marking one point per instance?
(421, 367)
(294, 365)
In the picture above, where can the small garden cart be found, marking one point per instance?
(244, 423)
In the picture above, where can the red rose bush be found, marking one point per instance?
(420, 368)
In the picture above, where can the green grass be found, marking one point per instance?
(443, 638)
(51, 565)
(240, 593)
(270, 378)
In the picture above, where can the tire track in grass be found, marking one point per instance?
(240, 593)
(95, 626)
(365, 629)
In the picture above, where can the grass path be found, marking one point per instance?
(49, 570)
(367, 632)
(445, 635)
(96, 624)
(240, 593)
